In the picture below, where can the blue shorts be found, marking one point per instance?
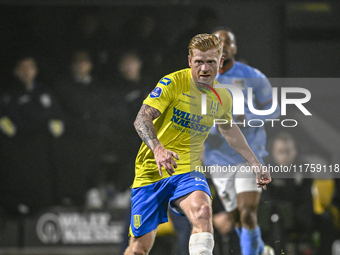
(149, 204)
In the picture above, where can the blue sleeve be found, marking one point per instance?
(262, 90)
(214, 131)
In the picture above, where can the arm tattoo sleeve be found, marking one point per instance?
(144, 125)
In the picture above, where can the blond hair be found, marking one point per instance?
(204, 42)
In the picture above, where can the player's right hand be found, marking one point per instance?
(164, 158)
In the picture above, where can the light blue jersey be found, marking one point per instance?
(217, 150)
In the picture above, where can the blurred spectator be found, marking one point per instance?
(326, 208)
(30, 119)
(143, 32)
(289, 200)
(88, 33)
(78, 155)
(327, 214)
(132, 85)
(205, 21)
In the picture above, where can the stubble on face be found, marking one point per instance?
(204, 65)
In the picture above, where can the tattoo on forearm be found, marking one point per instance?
(144, 126)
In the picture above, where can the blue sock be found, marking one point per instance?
(251, 241)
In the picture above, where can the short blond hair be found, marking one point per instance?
(204, 42)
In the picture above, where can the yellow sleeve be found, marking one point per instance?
(163, 94)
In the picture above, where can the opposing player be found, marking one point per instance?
(240, 196)
(172, 127)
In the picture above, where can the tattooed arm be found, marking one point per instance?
(147, 132)
(144, 126)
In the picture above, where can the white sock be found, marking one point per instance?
(201, 244)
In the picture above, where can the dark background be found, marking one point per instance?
(283, 39)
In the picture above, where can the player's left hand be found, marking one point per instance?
(262, 176)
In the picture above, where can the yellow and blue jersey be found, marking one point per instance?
(181, 127)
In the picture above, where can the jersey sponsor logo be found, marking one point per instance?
(165, 81)
(184, 94)
(214, 107)
(137, 218)
(188, 120)
(241, 83)
(156, 92)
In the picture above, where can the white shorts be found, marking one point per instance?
(229, 185)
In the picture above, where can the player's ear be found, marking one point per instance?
(221, 62)
(235, 50)
(189, 60)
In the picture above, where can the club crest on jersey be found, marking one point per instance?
(156, 92)
(165, 81)
(214, 107)
(137, 220)
(241, 83)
